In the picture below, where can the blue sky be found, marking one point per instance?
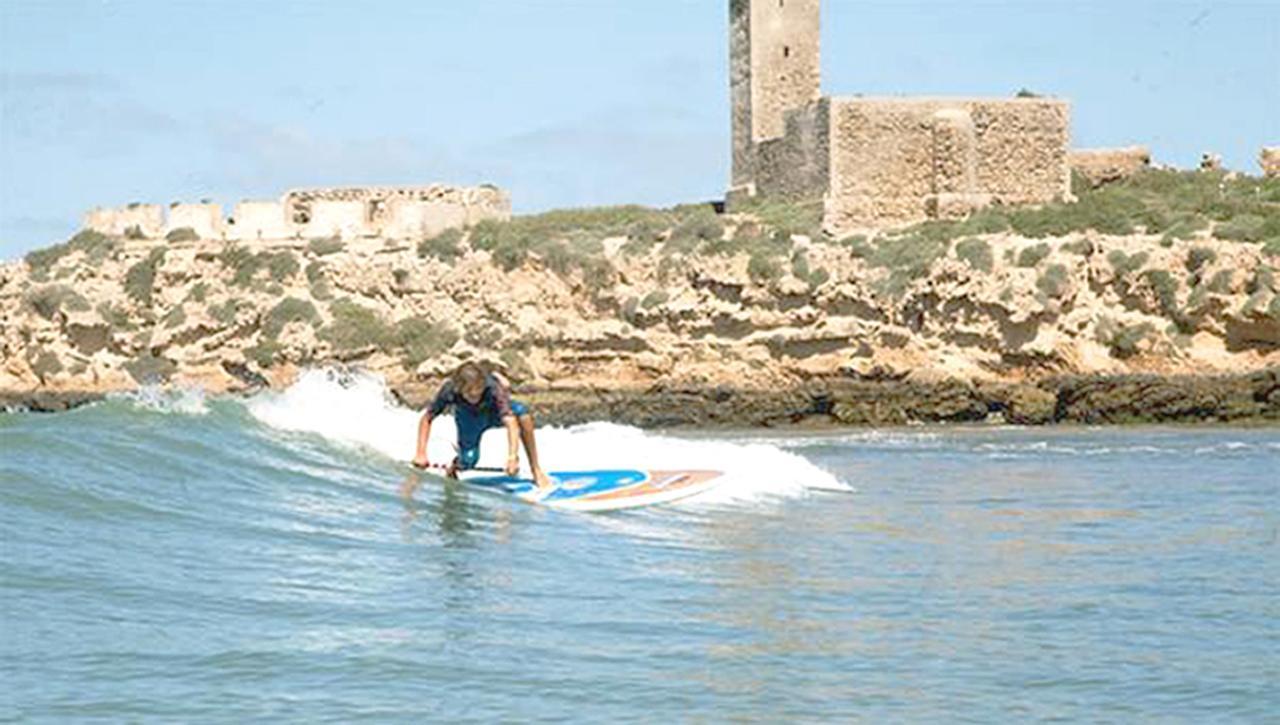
(563, 102)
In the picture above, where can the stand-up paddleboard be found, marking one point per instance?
(600, 490)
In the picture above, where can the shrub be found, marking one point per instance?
(45, 364)
(174, 317)
(226, 312)
(654, 298)
(281, 265)
(1242, 228)
(1165, 288)
(515, 364)
(49, 300)
(290, 309)
(698, 228)
(322, 246)
(199, 291)
(1199, 257)
(1054, 281)
(629, 308)
(420, 339)
(1271, 247)
(1081, 247)
(1123, 340)
(1031, 256)
(763, 267)
(265, 353)
(242, 263)
(1273, 309)
(182, 234)
(858, 246)
(787, 217)
(354, 327)
(134, 232)
(976, 253)
(139, 280)
(1221, 282)
(445, 246)
(318, 282)
(1185, 228)
(148, 368)
(96, 247)
(1264, 278)
(114, 317)
(1123, 264)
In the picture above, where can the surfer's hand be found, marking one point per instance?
(513, 466)
(421, 462)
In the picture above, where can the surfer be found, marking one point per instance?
(481, 401)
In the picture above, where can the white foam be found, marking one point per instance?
(355, 409)
(180, 401)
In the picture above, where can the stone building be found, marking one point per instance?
(876, 160)
(409, 212)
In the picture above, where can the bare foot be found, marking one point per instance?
(544, 483)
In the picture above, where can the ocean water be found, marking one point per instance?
(167, 557)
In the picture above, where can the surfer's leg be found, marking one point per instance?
(470, 428)
(525, 417)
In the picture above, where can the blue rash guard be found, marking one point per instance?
(473, 420)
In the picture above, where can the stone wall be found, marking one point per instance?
(131, 220)
(331, 218)
(393, 211)
(1269, 160)
(204, 219)
(259, 220)
(798, 165)
(905, 160)
(774, 67)
(1102, 166)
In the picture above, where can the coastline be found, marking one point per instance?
(1251, 399)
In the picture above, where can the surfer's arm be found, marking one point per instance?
(513, 444)
(424, 433)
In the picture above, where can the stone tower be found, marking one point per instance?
(774, 67)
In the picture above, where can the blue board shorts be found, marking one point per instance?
(472, 425)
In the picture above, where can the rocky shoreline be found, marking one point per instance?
(1252, 399)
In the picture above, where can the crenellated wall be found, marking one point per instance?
(348, 213)
(905, 160)
(145, 220)
(253, 221)
(1102, 166)
(204, 219)
(1269, 160)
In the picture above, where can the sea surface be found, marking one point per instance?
(167, 557)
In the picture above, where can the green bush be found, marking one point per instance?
(1199, 257)
(1165, 288)
(96, 247)
(242, 263)
(174, 317)
(355, 327)
(976, 253)
(1031, 256)
(281, 265)
(1221, 282)
(114, 317)
(1123, 340)
(787, 217)
(1054, 281)
(763, 267)
(858, 246)
(419, 339)
(182, 234)
(654, 298)
(1271, 247)
(1242, 228)
(265, 353)
(1124, 264)
(226, 312)
(135, 232)
(290, 309)
(139, 280)
(445, 246)
(49, 300)
(44, 364)
(1081, 247)
(1264, 278)
(322, 246)
(318, 282)
(199, 291)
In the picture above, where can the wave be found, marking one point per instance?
(355, 409)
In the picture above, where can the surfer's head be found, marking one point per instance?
(468, 380)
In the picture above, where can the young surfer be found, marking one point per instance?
(481, 401)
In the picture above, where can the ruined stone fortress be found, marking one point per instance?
(876, 160)
(868, 161)
(351, 213)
